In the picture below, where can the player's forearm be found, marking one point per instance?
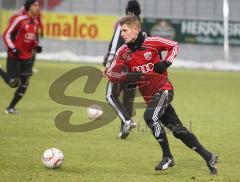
(117, 73)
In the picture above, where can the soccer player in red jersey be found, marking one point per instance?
(139, 61)
(20, 38)
(23, 11)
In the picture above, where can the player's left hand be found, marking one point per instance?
(38, 49)
(161, 66)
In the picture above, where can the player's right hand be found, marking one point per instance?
(16, 52)
(104, 71)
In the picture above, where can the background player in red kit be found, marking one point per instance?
(20, 38)
(23, 11)
(138, 61)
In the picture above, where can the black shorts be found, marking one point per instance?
(17, 67)
(160, 109)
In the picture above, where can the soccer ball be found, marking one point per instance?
(52, 158)
(94, 111)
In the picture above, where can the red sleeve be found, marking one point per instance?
(118, 70)
(162, 44)
(12, 27)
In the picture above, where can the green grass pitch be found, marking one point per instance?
(209, 99)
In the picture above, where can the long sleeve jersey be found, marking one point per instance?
(21, 33)
(142, 61)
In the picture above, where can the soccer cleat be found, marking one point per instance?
(133, 125)
(165, 163)
(11, 111)
(123, 135)
(212, 164)
(126, 128)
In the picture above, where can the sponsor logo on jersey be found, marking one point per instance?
(145, 68)
(30, 36)
(148, 56)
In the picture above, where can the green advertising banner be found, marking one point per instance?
(193, 31)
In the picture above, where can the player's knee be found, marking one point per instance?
(23, 88)
(180, 131)
(13, 82)
(110, 97)
(25, 80)
(177, 135)
(25, 83)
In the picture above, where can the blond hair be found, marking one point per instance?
(131, 21)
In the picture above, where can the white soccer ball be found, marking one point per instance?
(94, 111)
(52, 158)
